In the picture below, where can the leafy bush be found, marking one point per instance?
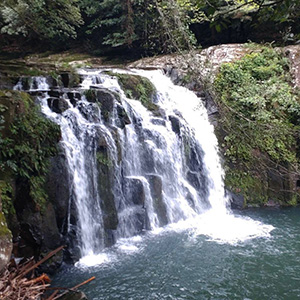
(260, 115)
(30, 142)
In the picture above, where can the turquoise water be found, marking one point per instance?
(177, 264)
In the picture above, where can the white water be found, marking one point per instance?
(151, 150)
(217, 223)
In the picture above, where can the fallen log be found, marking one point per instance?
(49, 255)
(55, 295)
(15, 284)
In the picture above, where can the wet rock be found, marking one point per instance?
(194, 158)
(26, 83)
(141, 220)
(38, 232)
(72, 295)
(65, 79)
(116, 136)
(133, 190)
(189, 197)
(58, 189)
(109, 238)
(51, 236)
(52, 82)
(51, 265)
(160, 208)
(55, 93)
(193, 179)
(272, 203)
(173, 73)
(175, 122)
(107, 101)
(105, 185)
(90, 112)
(157, 121)
(123, 118)
(58, 105)
(237, 201)
(74, 97)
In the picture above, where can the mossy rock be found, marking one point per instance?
(258, 127)
(28, 140)
(5, 243)
(138, 88)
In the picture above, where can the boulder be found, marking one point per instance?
(123, 118)
(74, 295)
(175, 122)
(74, 97)
(134, 192)
(105, 186)
(160, 208)
(237, 201)
(158, 121)
(58, 105)
(107, 101)
(55, 93)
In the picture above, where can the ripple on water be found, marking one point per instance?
(185, 263)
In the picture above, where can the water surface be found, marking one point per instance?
(183, 263)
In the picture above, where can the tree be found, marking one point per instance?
(41, 19)
(152, 26)
(220, 13)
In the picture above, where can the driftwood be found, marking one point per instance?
(55, 295)
(17, 284)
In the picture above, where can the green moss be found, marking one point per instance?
(90, 95)
(4, 231)
(293, 201)
(103, 159)
(28, 144)
(251, 185)
(138, 88)
(260, 118)
(6, 193)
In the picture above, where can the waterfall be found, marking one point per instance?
(132, 169)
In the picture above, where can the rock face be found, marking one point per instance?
(5, 243)
(155, 182)
(197, 70)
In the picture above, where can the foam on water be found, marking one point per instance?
(95, 260)
(231, 229)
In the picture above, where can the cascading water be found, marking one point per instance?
(131, 169)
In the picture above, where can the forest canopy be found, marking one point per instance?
(148, 26)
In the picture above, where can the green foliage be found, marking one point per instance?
(139, 88)
(31, 141)
(4, 231)
(40, 18)
(222, 14)
(102, 159)
(90, 95)
(6, 194)
(147, 25)
(260, 117)
(248, 183)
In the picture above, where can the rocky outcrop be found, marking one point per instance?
(155, 183)
(5, 242)
(197, 70)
